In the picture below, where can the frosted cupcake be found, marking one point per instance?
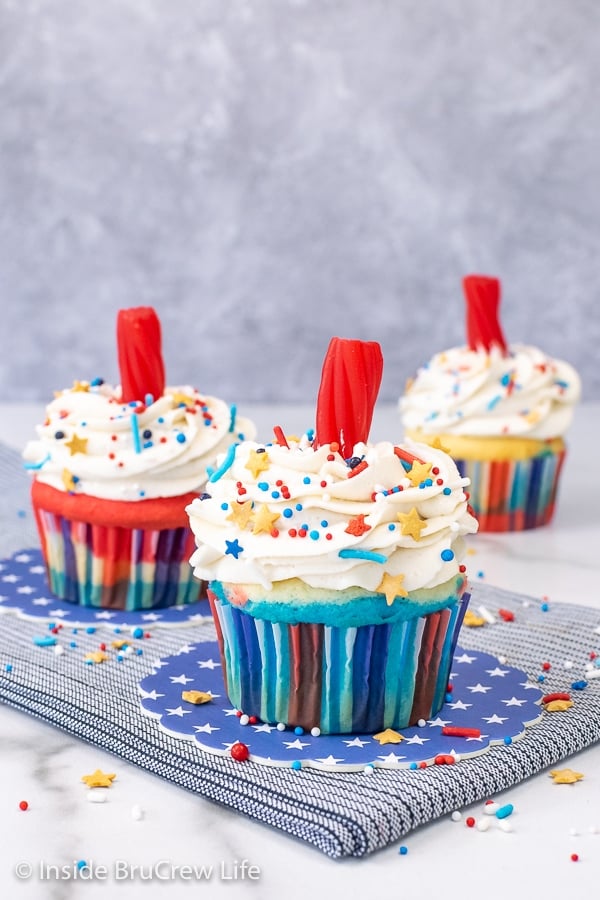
(501, 412)
(113, 470)
(334, 565)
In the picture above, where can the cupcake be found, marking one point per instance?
(501, 412)
(333, 565)
(113, 470)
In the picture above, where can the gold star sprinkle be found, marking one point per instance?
(68, 479)
(77, 445)
(97, 656)
(565, 776)
(264, 520)
(558, 705)
(411, 524)
(118, 645)
(258, 462)
(391, 586)
(418, 472)
(240, 513)
(81, 387)
(472, 621)
(178, 398)
(99, 779)
(196, 697)
(389, 736)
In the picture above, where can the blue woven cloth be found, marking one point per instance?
(342, 814)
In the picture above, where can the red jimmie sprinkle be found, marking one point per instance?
(452, 731)
(444, 759)
(507, 615)
(557, 696)
(280, 436)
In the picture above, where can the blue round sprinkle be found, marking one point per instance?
(314, 535)
(263, 485)
(8, 667)
(391, 527)
(73, 644)
(51, 625)
(403, 850)
(324, 523)
(541, 678)
(139, 651)
(81, 864)
(296, 765)
(448, 698)
(288, 513)
(119, 657)
(160, 420)
(447, 555)
(180, 438)
(138, 632)
(116, 630)
(224, 505)
(96, 382)
(299, 507)
(147, 434)
(298, 729)
(275, 495)
(428, 482)
(59, 435)
(413, 765)
(447, 491)
(305, 526)
(545, 607)
(507, 740)
(90, 630)
(306, 479)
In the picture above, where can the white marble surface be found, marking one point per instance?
(43, 766)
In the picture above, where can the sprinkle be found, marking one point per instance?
(296, 765)
(135, 430)
(403, 850)
(470, 822)
(239, 752)
(298, 730)
(544, 607)
(452, 731)
(506, 615)
(370, 555)
(232, 417)
(280, 436)
(486, 614)
(316, 731)
(23, 805)
(504, 811)
(579, 685)
(233, 548)
(38, 465)
(447, 555)
(45, 641)
(225, 465)
(456, 816)
(181, 438)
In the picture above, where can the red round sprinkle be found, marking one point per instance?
(292, 532)
(241, 491)
(546, 666)
(279, 482)
(470, 822)
(238, 713)
(423, 765)
(323, 484)
(163, 440)
(103, 647)
(239, 752)
(575, 857)
(120, 465)
(435, 471)
(439, 480)
(23, 805)
(593, 655)
(252, 720)
(330, 457)
(111, 455)
(114, 437)
(462, 569)
(275, 532)
(147, 634)
(449, 687)
(302, 532)
(328, 536)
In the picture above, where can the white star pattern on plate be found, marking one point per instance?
(478, 689)
(415, 739)
(295, 745)
(391, 757)
(23, 557)
(438, 722)
(514, 702)
(26, 589)
(206, 729)
(494, 720)
(160, 664)
(267, 729)
(330, 760)
(356, 742)
(497, 672)
(151, 617)
(11, 579)
(208, 664)
(528, 686)
(43, 601)
(464, 658)
(231, 711)
(150, 695)
(60, 613)
(459, 705)
(179, 711)
(187, 648)
(180, 679)
(479, 739)
(37, 570)
(104, 615)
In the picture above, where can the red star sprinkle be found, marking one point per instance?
(357, 526)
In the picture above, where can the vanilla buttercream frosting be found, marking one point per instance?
(93, 443)
(477, 393)
(272, 512)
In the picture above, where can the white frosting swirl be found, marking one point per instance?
(476, 393)
(307, 508)
(90, 444)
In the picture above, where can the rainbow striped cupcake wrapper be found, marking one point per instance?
(117, 568)
(513, 495)
(341, 680)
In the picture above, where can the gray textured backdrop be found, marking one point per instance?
(267, 174)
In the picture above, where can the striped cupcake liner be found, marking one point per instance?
(117, 568)
(513, 495)
(341, 680)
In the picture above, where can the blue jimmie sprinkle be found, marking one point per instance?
(351, 553)
(226, 464)
(232, 417)
(135, 430)
(149, 399)
(37, 465)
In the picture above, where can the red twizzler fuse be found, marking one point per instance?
(452, 731)
(507, 615)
